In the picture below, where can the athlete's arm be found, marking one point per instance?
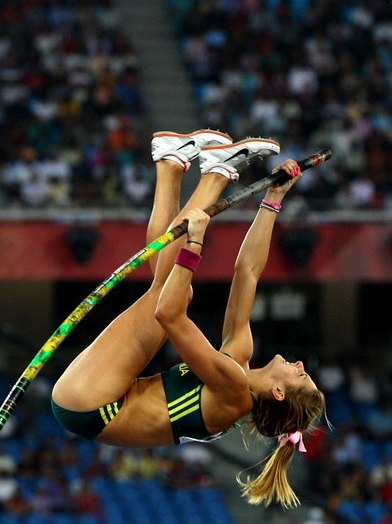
(215, 369)
(251, 260)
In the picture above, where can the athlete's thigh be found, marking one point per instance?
(133, 337)
(106, 369)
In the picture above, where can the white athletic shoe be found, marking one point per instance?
(231, 160)
(184, 148)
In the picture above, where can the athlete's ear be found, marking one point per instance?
(278, 393)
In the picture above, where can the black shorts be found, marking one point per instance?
(87, 424)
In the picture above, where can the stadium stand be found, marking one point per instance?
(305, 73)
(75, 130)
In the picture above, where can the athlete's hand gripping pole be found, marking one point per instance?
(79, 313)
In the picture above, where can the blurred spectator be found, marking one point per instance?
(9, 488)
(302, 79)
(387, 519)
(317, 446)
(379, 422)
(28, 464)
(347, 447)
(136, 184)
(381, 479)
(179, 476)
(331, 377)
(41, 502)
(148, 464)
(17, 505)
(34, 190)
(315, 516)
(7, 462)
(69, 459)
(54, 484)
(198, 462)
(8, 485)
(86, 500)
(364, 390)
(123, 465)
(362, 192)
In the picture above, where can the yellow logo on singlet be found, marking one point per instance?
(183, 369)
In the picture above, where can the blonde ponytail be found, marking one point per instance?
(271, 418)
(272, 484)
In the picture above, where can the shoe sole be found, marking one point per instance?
(208, 135)
(271, 146)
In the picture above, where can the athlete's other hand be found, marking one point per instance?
(292, 168)
(198, 221)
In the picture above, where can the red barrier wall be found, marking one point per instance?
(36, 250)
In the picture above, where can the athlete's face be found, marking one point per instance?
(290, 373)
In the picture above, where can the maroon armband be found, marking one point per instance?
(188, 259)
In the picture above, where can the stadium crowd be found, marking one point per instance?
(72, 118)
(74, 129)
(307, 73)
(350, 466)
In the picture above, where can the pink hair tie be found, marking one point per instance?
(294, 438)
(188, 259)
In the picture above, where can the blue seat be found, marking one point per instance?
(213, 507)
(372, 453)
(27, 486)
(339, 408)
(38, 518)
(88, 519)
(299, 8)
(72, 472)
(374, 512)
(364, 411)
(48, 425)
(388, 450)
(86, 451)
(101, 485)
(13, 447)
(11, 519)
(67, 518)
(351, 511)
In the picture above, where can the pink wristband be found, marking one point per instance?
(188, 259)
(272, 206)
